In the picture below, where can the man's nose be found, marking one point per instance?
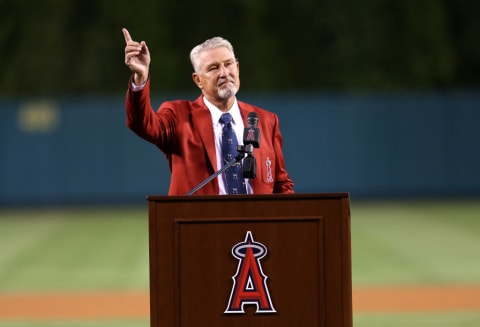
(224, 70)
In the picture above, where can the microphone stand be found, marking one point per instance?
(242, 150)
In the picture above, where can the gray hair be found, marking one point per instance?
(213, 43)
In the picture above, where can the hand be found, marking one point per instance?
(137, 58)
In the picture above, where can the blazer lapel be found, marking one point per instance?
(244, 112)
(203, 121)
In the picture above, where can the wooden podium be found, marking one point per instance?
(250, 260)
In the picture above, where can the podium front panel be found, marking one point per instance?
(299, 272)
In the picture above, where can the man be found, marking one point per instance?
(190, 133)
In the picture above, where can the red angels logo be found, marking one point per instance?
(268, 163)
(249, 282)
(250, 135)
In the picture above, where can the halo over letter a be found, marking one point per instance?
(249, 282)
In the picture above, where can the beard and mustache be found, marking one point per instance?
(228, 90)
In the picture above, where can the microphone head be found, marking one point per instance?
(251, 134)
(252, 119)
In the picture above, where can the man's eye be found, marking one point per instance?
(211, 68)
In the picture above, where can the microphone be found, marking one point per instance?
(251, 139)
(251, 134)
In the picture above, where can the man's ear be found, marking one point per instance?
(197, 80)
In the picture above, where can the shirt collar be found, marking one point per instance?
(217, 113)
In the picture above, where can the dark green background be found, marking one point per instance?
(57, 47)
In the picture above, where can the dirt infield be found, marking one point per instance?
(108, 305)
(116, 305)
(417, 299)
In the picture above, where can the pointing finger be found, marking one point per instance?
(126, 35)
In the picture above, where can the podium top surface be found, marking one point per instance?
(249, 197)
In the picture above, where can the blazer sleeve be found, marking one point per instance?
(283, 183)
(155, 127)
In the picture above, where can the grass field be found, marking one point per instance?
(73, 249)
(106, 249)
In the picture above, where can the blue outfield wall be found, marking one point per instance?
(79, 150)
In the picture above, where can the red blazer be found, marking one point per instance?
(183, 131)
